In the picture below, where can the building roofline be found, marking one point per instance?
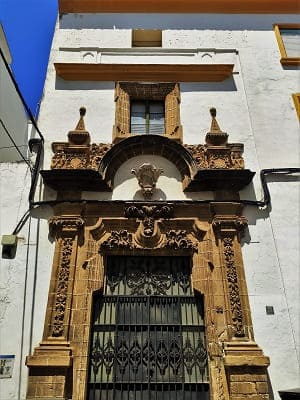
(4, 46)
(179, 6)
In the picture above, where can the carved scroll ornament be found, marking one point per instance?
(118, 240)
(123, 240)
(148, 214)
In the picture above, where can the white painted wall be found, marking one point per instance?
(254, 106)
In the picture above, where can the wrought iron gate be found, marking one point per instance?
(148, 339)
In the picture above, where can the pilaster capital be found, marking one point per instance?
(66, 225)
(228, 223)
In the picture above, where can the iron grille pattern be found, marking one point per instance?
(148, 340)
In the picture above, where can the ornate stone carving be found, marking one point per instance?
(69, 225)
(147, 176)
(88, 158)
(178, 240)
(153, 211)
(96, 153)
(118, 240)
(233, 287)
(62, 288)
(220, 390)
(229, 157)
(217, 153)
(148, 214)
(223, 223)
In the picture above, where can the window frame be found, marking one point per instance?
(296, 98)
(148, 124)
(285, 59)
(167, 92)
(146, 38)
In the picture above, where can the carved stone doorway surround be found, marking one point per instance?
(208, 233)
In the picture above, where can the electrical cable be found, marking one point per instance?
(20, 95)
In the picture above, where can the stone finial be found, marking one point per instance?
(80, 125)
(214, 128)
(215, 137)
(147, 176)
(79, 137)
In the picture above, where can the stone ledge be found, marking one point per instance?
(74, 179)
(50, 356)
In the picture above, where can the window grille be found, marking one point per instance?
(148, 339)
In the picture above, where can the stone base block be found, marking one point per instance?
(50, 372)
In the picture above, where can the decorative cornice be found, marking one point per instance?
(179, 6)
(144, 72)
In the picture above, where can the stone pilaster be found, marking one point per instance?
(50, 366)
(243, 360)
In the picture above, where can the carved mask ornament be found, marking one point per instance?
(147, 176)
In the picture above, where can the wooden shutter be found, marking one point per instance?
(122, 116)
(172, 114)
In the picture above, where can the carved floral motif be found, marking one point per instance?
(233, 286)
(118, 240)
(62, 288)
(87, 157)
(213, 158)
(178, 240)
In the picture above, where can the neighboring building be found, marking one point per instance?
(171, 278)
(15, 183)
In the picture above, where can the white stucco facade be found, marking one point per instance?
(254, 106)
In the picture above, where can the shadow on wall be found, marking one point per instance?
(255, 213)
(61, 84)
(226, 86)
(174, 21)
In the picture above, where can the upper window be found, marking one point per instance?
(288, 37)
(147, 108)
(146, 38)
(147, 116)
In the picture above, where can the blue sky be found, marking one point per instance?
(29, 27)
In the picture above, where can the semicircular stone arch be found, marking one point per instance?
(147, 145)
